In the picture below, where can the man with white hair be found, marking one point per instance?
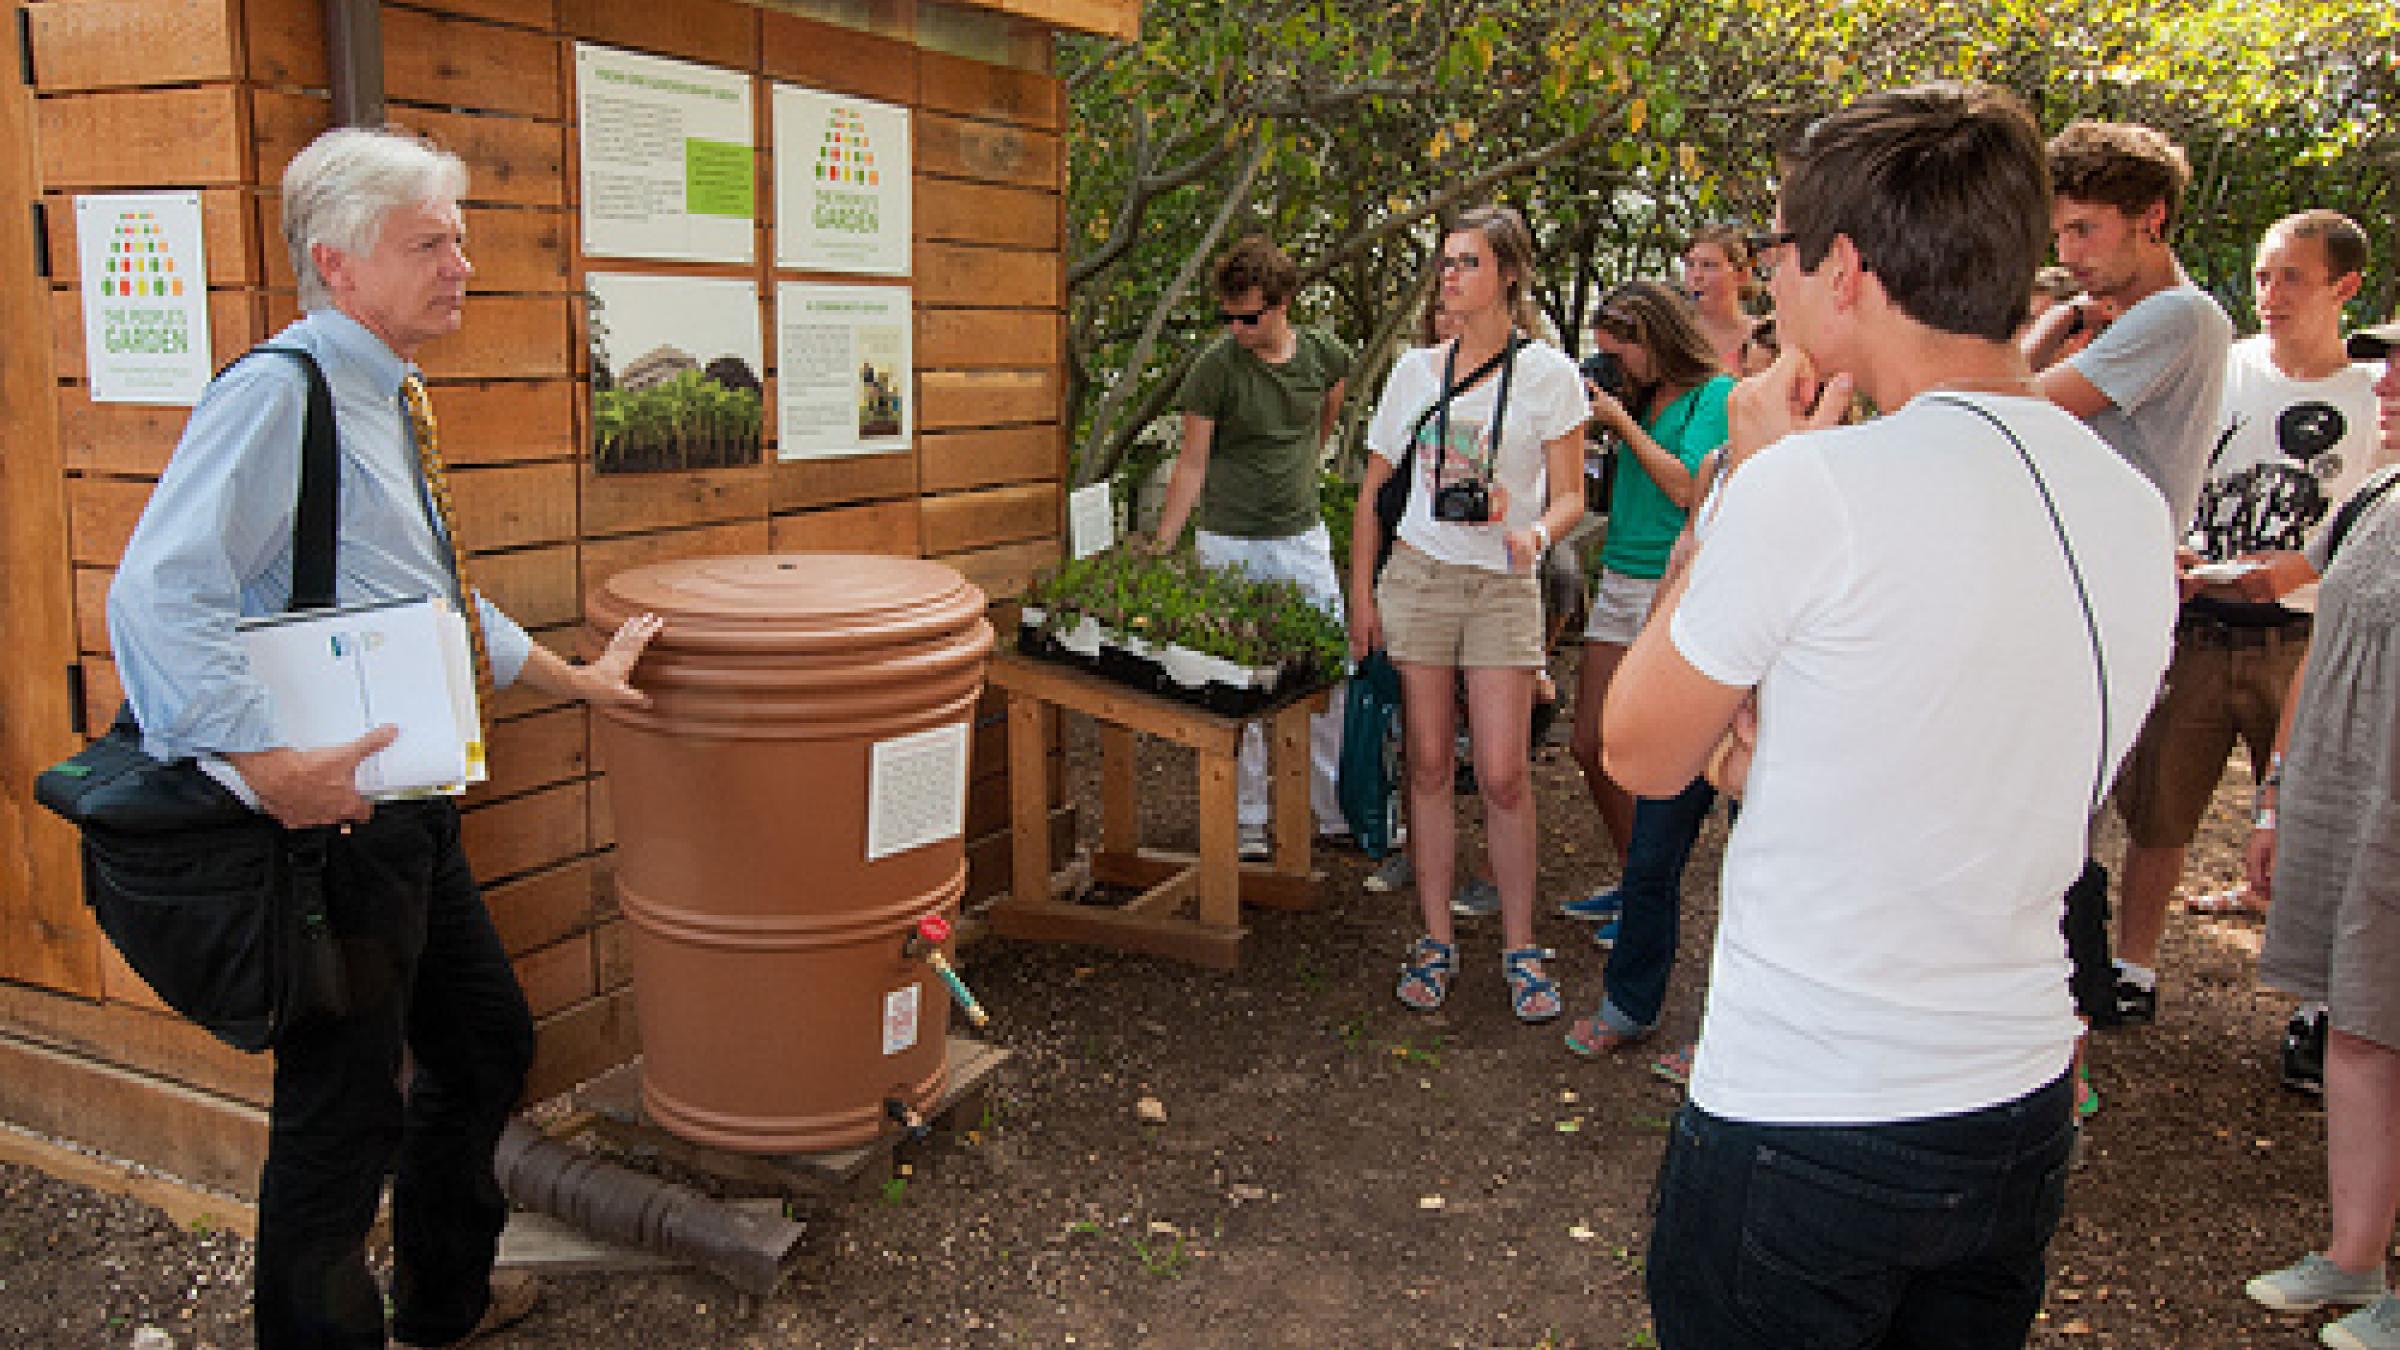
(378, 243)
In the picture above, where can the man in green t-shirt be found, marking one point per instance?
(1257, 408)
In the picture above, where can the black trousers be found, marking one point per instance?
(428, 976)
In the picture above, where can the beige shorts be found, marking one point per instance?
(2215, 693)
(1620, 604)
(1449, 614)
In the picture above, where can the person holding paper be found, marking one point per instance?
(378, 244)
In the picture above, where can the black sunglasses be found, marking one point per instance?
(1760, 243)
(1245, 320)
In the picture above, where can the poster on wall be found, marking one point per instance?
(675, 372)
(145, 297)
(669, 158)
(841, 183)
(845, 370)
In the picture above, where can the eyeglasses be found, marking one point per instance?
(1761, 245)
(1462, 262)
(1245, 320)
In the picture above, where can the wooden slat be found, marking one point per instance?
(581, 1043)
(839, 60)
(232, 328)
(91, 608)
(1001, 573)
(557, 976)
(976, 89)
(601, 812)
(988, 278)
(542, 14)
(949, 399)
(524, 833)
(513, 506)
(198, 1136)
(101, 694)
(513, 248)
(185, 1205)
(543, 750)
(510, 160)
(877, 527)
(503, 336)
(487, 422)
(104, 44)
(603, 559)
(461, 63)
(536, 587)
(100, 517)
(139, 1039)
(286, 44)
(620, 503)
(980, 213)
(982, 519)
(1120, 19)
(966, 459)
(544, 907)
(970, 338)
(150, 138)
(717, 32)
(224, 222)
(949, 147)
(129, 438)
(612, 954)
(803, 483)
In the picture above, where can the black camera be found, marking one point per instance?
(1467, 503)
(1607, 374)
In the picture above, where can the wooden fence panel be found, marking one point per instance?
(950, 399)
(107, 44)
(971, 459)
(950, 147)
(973, 520)
(150, 138)
(841, 60)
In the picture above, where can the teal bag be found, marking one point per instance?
(1370, 764)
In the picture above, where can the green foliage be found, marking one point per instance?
(1171, 598)
(687, 422)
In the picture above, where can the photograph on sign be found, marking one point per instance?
(844, 369)
(675, 364)
(841, 183)
(145, 297)
(668, 155)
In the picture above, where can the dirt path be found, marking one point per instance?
(1334, 1171)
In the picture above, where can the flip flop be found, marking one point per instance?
(1675, 1066)
(2231, 903)
(1594, 1039)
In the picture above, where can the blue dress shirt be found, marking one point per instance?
(215, 541)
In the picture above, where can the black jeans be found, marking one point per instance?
(1920, 1233)
(428, 975)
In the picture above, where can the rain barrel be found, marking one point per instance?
(787, 808)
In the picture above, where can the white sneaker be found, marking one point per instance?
(2374, 1327)
(2312, 1282)
(1392, 875)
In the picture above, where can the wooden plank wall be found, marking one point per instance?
(218, 94)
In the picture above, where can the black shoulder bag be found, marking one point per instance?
(2347, 515)
(1391, 500)
(218, 907)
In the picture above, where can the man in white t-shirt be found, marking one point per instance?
(2296, 435)
(1875, 1149)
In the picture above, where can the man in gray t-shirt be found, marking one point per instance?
(2150, 385)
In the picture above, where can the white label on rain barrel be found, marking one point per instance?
(899, 1020)
(917, 791)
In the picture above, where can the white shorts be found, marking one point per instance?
(1620, 604)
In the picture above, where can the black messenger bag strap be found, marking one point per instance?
(316, 516)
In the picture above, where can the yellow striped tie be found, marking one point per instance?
(437, 485)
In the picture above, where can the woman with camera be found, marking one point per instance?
(1667, 414)
(1484, 434)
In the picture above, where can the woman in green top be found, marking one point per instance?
(1672, 417)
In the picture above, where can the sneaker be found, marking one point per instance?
(1392, 874)
(1598, 907)
(2374, 1327)
(1254, 845)
(1605, 936)
(2312, 1282)
(2135, 1005)
(2304, 1053)
(1476, 899)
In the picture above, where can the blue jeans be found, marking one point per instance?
(427, 973)
(1920, 1233)
(1651, 892)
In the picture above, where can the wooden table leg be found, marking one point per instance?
(1029, 797)
(1120, 814)
(1220, 847)
(1295, 819)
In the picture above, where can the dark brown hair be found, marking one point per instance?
(1255, 263)
(1662, 321)
(2121, 164)
(1941, 189)
(2344, 243)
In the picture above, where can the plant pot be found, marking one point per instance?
(1119, 661)
(1082, 640)
(1185, 669)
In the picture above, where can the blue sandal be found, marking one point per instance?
(1425, 976)
(1531, 993)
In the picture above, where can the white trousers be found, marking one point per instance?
(1305, 558)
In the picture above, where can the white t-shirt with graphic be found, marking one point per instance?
(1545, 401)
(2287, 452)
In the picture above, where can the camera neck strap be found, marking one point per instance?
(1452, 387)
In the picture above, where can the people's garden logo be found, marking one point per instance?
(139, 268)
(849, 196)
